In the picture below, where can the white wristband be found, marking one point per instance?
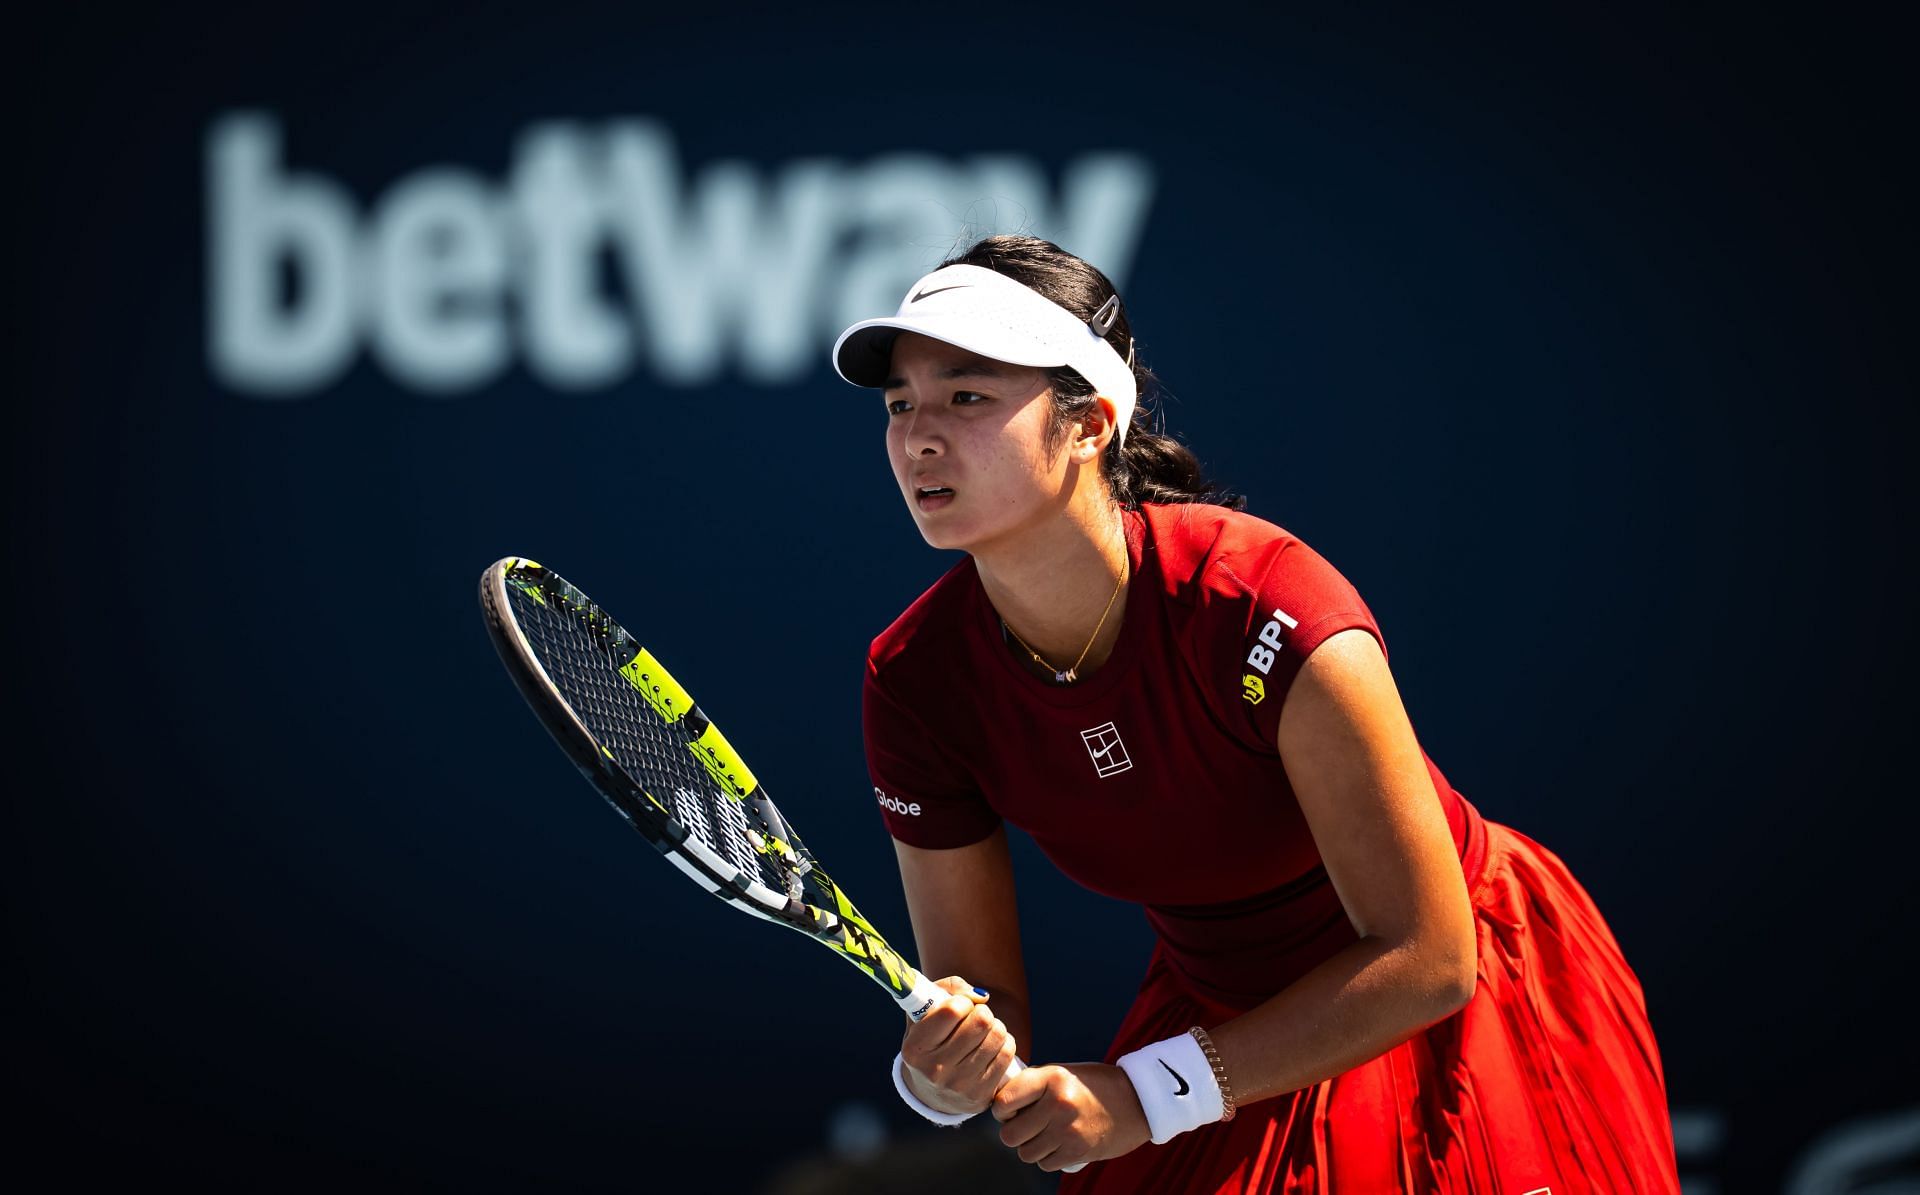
(913, 1101)
(1176, 1086)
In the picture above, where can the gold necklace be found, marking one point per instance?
(1070, 675)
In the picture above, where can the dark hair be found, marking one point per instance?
(1149, 467)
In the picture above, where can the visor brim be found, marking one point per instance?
(864, 354)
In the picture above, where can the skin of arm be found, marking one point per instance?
(1351, 757)
(965, 927)
(1353, 762)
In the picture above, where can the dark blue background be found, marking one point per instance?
(1571, 340)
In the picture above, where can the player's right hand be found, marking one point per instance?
(957, 1055)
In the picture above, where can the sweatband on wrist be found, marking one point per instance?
(949, 1119)
(1176, 1085)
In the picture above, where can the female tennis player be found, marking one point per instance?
(1359, 983)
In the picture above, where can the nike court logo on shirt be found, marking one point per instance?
(1109, 753)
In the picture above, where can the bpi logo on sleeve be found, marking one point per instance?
(1263, 653)
(1109, 753)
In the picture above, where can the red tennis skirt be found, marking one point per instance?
(1548, 1081)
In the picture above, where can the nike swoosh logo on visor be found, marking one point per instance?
(1184, 1088)
(936, 290)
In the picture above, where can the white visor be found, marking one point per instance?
(990, 314)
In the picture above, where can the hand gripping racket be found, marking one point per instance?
(637, 735)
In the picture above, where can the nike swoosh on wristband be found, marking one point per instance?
(1178, 1078)
(936, 290)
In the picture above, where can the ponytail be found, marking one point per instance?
(1147, 466)
(1156, 468)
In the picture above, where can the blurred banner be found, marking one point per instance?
(734, 268)
(1576, 344)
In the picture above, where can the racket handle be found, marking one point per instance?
(1015, 1069)
(923, 996)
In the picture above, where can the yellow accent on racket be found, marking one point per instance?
(723, 762)
(657, 685)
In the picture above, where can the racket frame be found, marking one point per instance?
(842, 928)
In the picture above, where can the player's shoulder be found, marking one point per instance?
(928, 627)
(1208, 553)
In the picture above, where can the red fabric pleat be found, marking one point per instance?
(1549, 1078)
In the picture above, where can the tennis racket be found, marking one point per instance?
(658, 759)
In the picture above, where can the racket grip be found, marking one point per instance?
(922, 996)
(1015, 1069)
(925, 992)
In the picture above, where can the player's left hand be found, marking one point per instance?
(1055, 1116)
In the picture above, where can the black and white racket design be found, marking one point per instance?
(659, 760)
(656, 756)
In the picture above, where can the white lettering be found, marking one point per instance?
(575, 341)
(600, 252)
(1263, 657)
(725, 265)
(437, 264)
(1863, 1155)
(900, 201)
(261, 223)
(896, 804)
(1106, 204)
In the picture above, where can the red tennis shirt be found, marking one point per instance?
(1157, 779)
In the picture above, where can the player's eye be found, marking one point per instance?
(896, 406)
(967, 398)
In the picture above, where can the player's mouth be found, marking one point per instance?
(932, 497)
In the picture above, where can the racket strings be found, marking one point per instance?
(647, 767)
(583, 651)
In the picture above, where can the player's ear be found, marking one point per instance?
(1095, 430)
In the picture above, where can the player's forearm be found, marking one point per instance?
(1352, 1008)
